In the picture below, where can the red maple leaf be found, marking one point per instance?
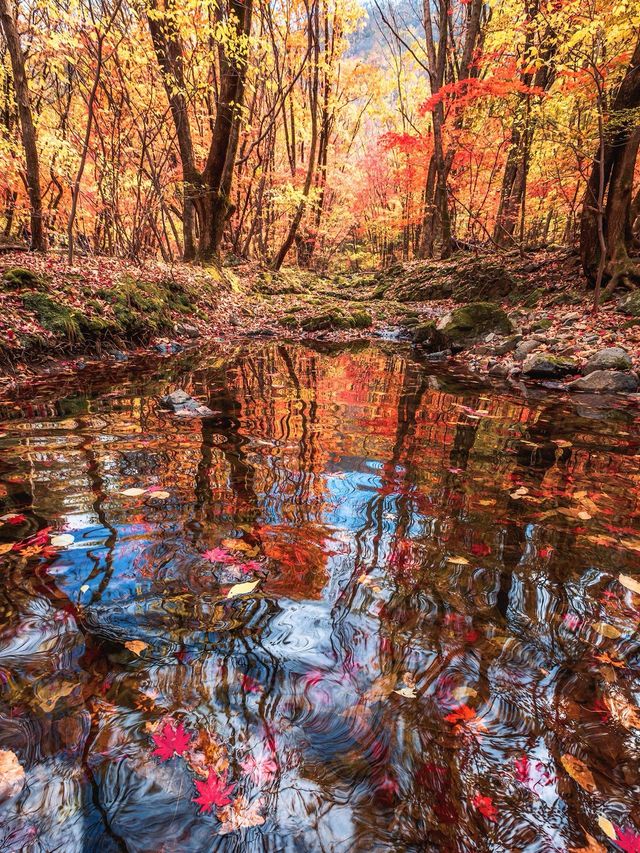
(628, 840)
(485, 806)
(462, 714)
(213, 792)
(170, 741)
(18, 518)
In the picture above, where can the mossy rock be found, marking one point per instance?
(630, 305)
(289, 320)
(473, 320)
(19, 278)
(532, 299)
(568, 297)
(541, 325)
(336, 318)
(54, 317)
(426, 334)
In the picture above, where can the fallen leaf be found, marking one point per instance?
(579, 772)
(458, 561)
(160, 496)
(11, 774)
(133, 492)
(48, 693)
(5, 547)
(630, 583)
(239, 545)
(214, 791)
(485, 806)
(407, 692)
(171, 740)
(62, 540)
(593, 846)
(606, 630)
(240, 814)
(461, 693)
(621, 710)
(628, 840)
(607, 827)
(242, 588)
(136, 646)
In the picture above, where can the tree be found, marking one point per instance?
(606, 226)
(27, 126)
(207, 191)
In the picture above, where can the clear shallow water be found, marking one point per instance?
(407, 532)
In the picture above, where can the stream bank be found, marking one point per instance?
(509, 318)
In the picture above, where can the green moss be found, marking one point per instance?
(361, 319)
(19, 278)
(476, 319)
(541, 325)
(54, 317)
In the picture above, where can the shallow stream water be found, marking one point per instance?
(365, 607)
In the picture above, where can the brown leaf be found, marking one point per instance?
(593, 846)
(630, 583)
(579, 772)
(622, 711)
(136, 646)
(606, 630)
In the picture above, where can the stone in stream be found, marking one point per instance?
(463, 327)
(181, 403)
(544, 366)
(606, 382)
(611, 358)
(525, 348)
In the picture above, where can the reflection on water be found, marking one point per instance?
(437, 649)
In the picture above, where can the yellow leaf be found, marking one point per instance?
(607, 827)
(5, 547)
(160, 496)
(630, 583)
(462, 693)
(242, 588)
(458, 561)
(136, 646)
(133, 492)
(579, 772)
(62, 540)
(606, 630)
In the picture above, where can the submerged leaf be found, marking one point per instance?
(171, 740)
(593, 846)
(579, 772)
(133, 492)
(606, 630)
(136, 646)
(213, 792)
(11, 774)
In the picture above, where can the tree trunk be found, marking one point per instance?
(607, 202)
(27, 126)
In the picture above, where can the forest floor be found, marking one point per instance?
(56, 318)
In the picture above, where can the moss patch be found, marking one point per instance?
(19, 278)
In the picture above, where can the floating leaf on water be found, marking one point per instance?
(606, 630)
(85, 587)
(630, 583)
(458, 561)
(607, 827)
(133, 492)
(136, 646)
(593, 846)
(579, 772)
(464, 692)
(5, 547)
(407, 692)
(242, 588)
(11, 774)
(62, 540)
(48, 693)
(160, 496)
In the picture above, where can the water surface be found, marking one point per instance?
(437, 620)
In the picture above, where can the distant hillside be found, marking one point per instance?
(368, 40)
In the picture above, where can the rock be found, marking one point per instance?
(500, 370)
(630, 304)
(606, 382)
(463, 326)
(186, 330)
(168, 349)
(184, 405)
(336, 318)
(526, 348)
(507, 345)
(425, 333)
(545, 366)
(571, 317)
(611, 358)
(119, 356)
